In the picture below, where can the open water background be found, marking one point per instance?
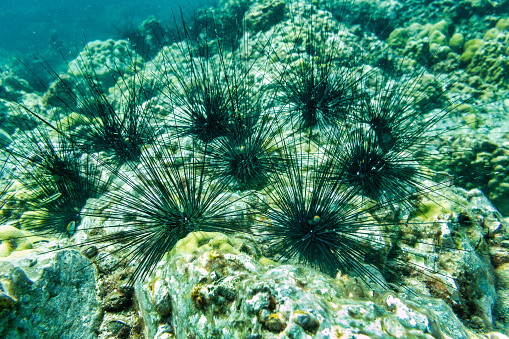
(51, 26)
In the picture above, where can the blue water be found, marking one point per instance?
(49, 25)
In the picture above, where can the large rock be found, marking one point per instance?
(50, 295)
(214, 289)
(104, 62)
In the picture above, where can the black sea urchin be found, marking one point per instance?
(121, 125)
(380, 152)
(319, 88)
(5, 185)
(308, 218)
(165, 198)
(249, 154)
(118, 123)
(208, 83)
(56, 179)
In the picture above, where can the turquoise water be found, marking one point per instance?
(46, 26)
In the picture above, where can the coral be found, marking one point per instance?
(205, 241)
(12, 239)
(262, 16)
(470, 48)
(476, 163)
(214, 290)
(106, 60)
(146, 39)
(58, 94)
(503, 24)
(491, 63)
(457, 42)
(11, 85)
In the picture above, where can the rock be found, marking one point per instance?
(59, 94)
(108, 60)
(438, 38)
(503, 24)
(491, 63)
(476, 163)
(161, 298)
(11, 87)
(456, 42)
(256, 301)
(471, 47)
(262, 16)
(119, 328)
(90, 251)
(12, 239)
(54, 298)
(309, 323)
(106, 262)
(118, 300)
(149, 37)
(491, 34)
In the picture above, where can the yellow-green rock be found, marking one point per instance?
(398, 37)
(465, 109)
(205, 241)
(491, 34)
(266, 262)
(437, 37)
(441, 26)
(472, 120)
(73, 120)
(456, 42)
(491, 63)
(470, 48)
(503, 24)
(424, 31)
(12, 240)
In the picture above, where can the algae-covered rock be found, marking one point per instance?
(53, 296)
(503, 24)
(491, 34)
(379, 17)
(262, 16)
(12, 239)
(149, 37)
(456, 42)
(438, 38)
(442, 26)
(205, 241)
(425, 43)
(438, 34)
(208, 293)
(470, 49)
(398, 37)
(476, 163)
(491, 63)
(59, 94)
(11, 86)
(105, 61)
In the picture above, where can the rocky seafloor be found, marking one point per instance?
(213, 285)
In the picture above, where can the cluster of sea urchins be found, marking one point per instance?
(302, 147)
